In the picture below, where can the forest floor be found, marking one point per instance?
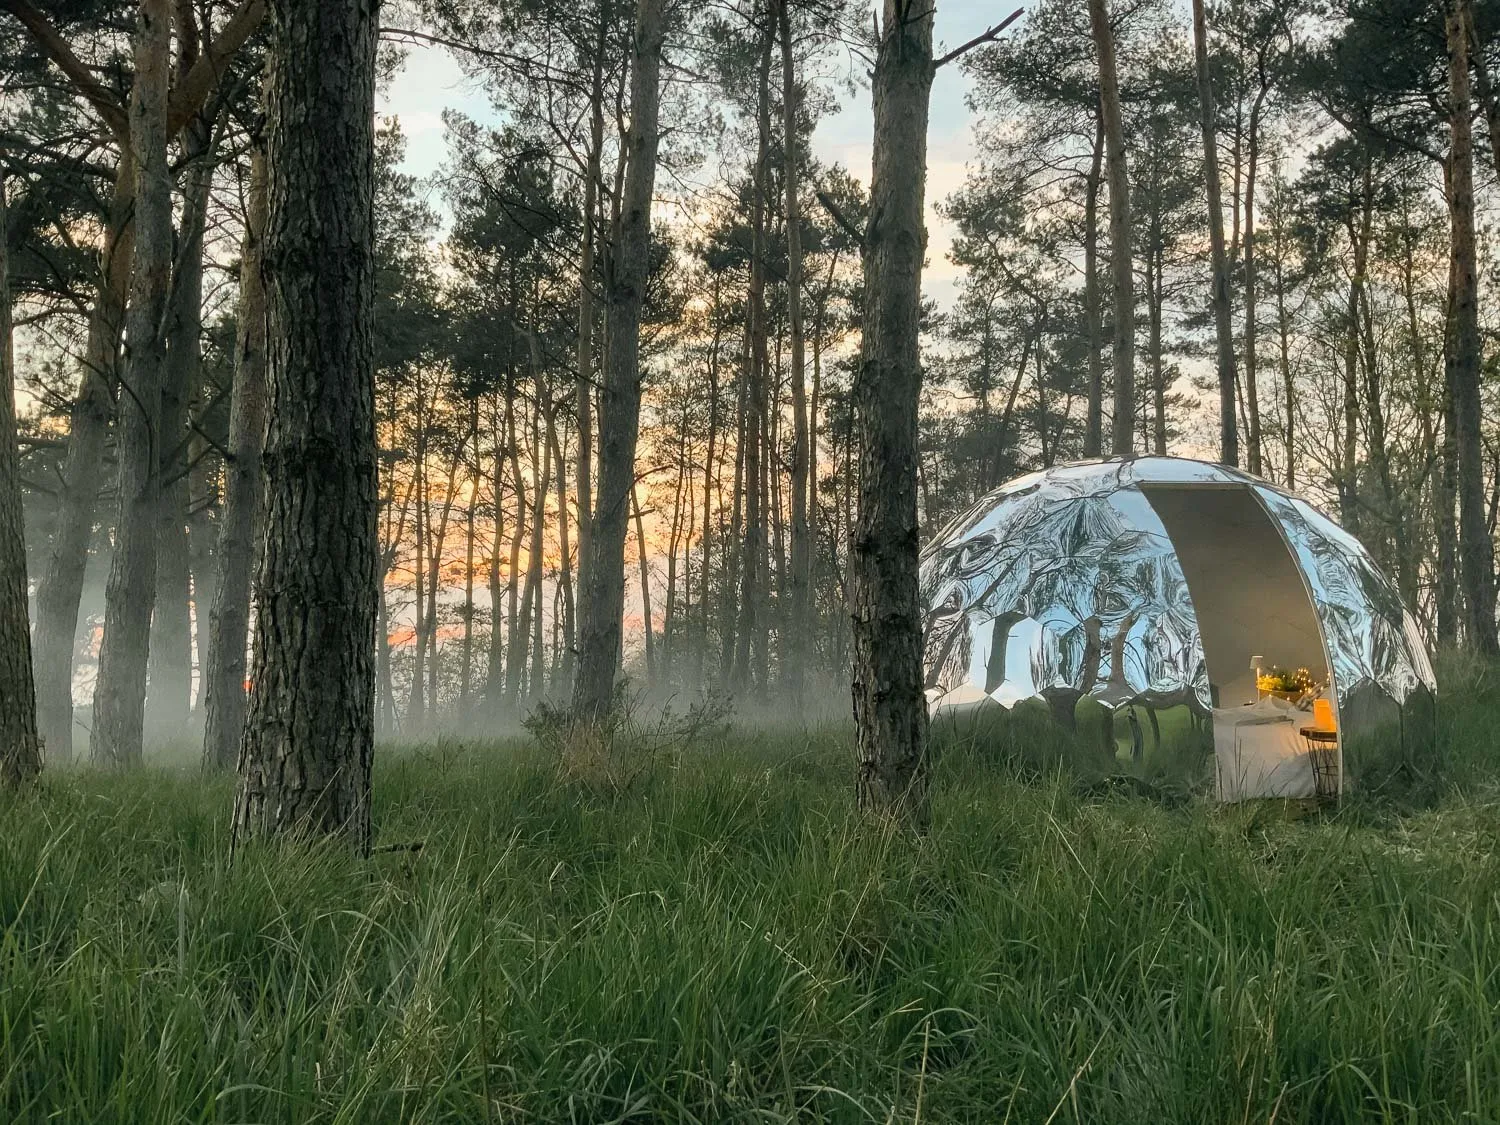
(710, 933)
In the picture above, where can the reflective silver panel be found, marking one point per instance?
(1064, 584)
(1375, 647)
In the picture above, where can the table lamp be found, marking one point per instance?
(1323, 714)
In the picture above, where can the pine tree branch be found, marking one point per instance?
(201, 78)
(984, 37)
(523, 63)
(56, 48)
(838, 216)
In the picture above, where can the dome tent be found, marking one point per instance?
(1155, 583)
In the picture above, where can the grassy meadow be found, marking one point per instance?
(707, 932)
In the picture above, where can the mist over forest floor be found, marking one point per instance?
(706, 930)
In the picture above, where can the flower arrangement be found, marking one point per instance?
(1281, 681)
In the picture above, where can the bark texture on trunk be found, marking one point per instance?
(224, 669)
(602, 582)
(1475, 551)
(1229, 435)
(20, 747)
(305, 758)
(890, 712)
(120, 693)
(1121, 262)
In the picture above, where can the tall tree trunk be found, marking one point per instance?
(814, 414)
(670, 612)
(170, 673)
(710, 468)
(1374, 395)
(1284, 329)
(1121, 262)
(1412, 547)
(1252, 387)
(844, 533)
(61, 586)
(1043, 423)
(733, 545)
(437, 541)
(586, 271)
(309, 738)
(890, 712)
(1229, 436)
(120, 693)
(515, 661)
(1359, 229)
(416, 706)
(393, 528)
(386, 721)
(750, 628)
(1156, 298)
(20, 746)
(466, 662)
(603, 580)
(203, 533)
(1445, 499)
(239, 526)
(1093, 432)
(771, 572)
(494, 669)
(800, 626)
(1476, 552)
(564, 673)
(643, 562)
(532, 602)
(1348, 472)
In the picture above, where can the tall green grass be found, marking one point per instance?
(725, 940)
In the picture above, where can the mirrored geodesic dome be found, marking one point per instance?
(1148, 584)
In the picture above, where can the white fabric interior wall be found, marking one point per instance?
(1247, 592)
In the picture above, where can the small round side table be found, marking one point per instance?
(1323, 755)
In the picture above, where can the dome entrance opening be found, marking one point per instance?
(1254, 614)
(1248, 596)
